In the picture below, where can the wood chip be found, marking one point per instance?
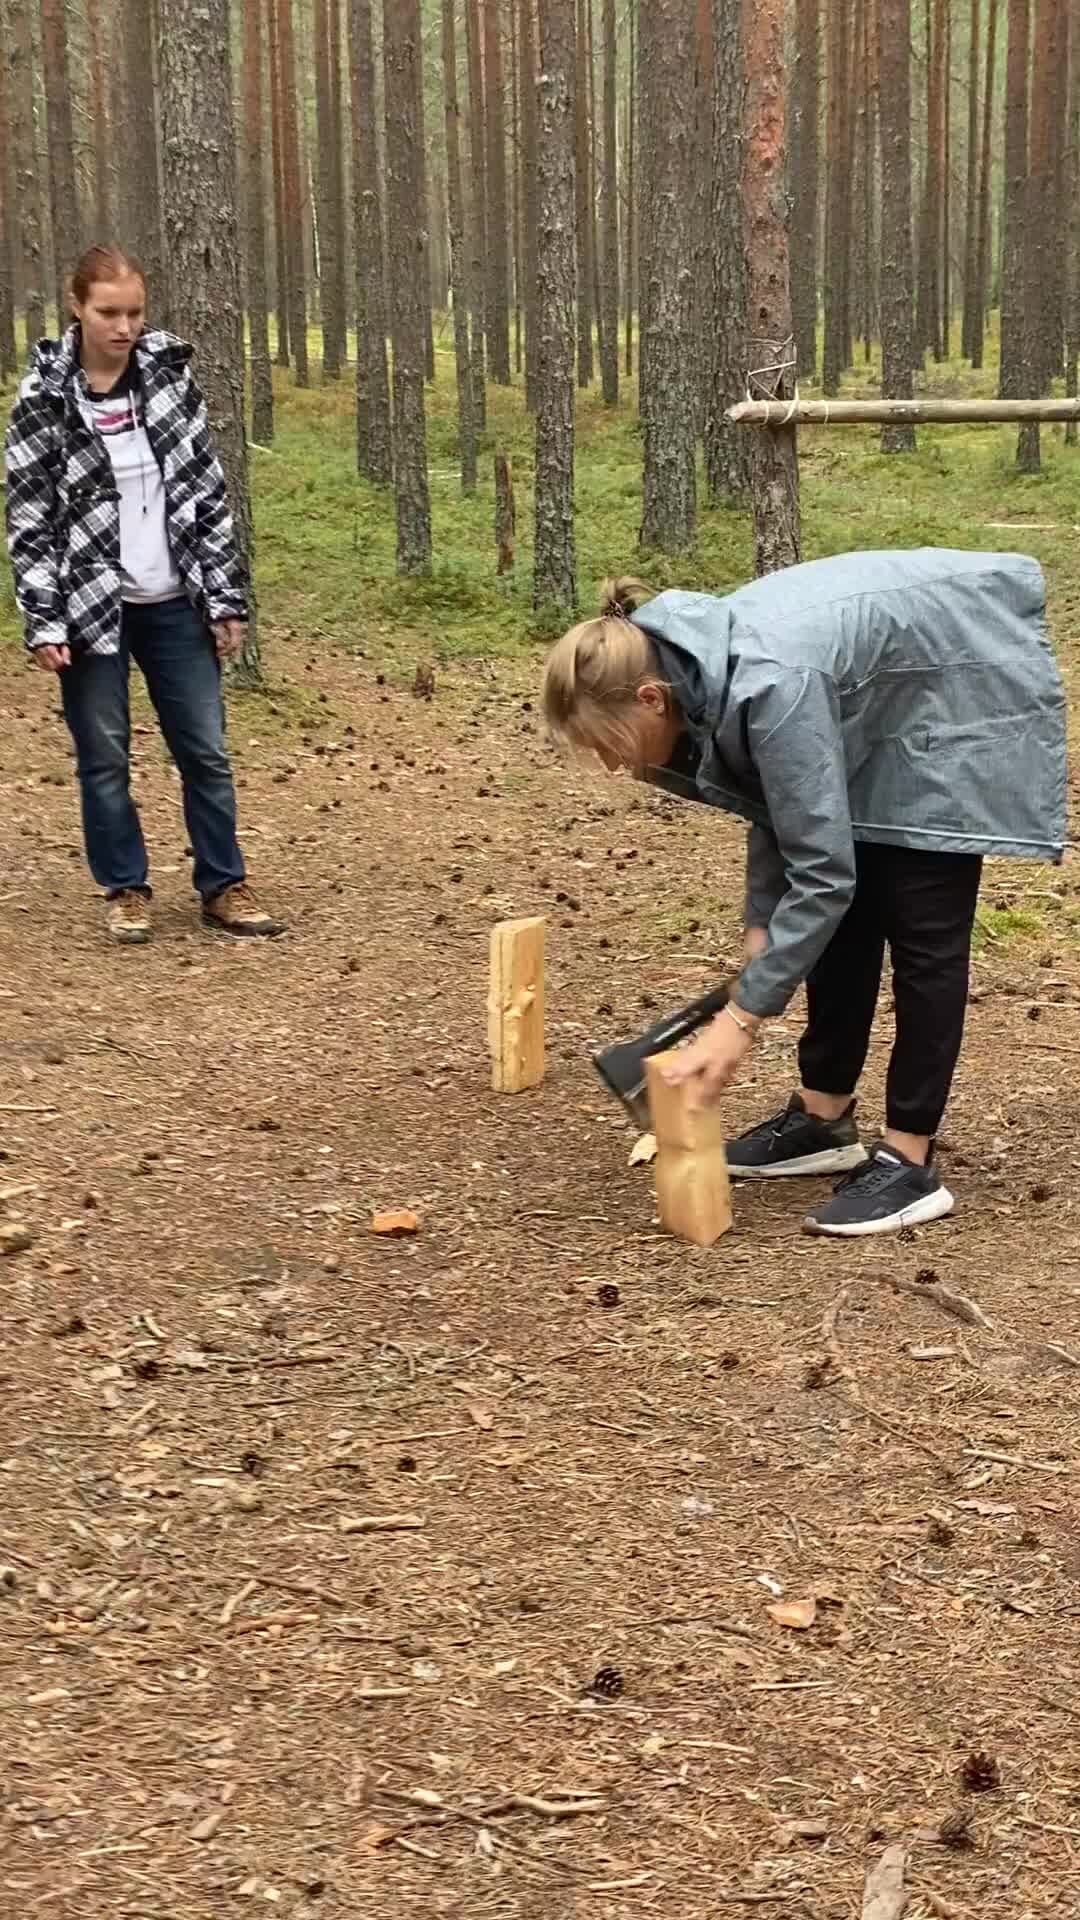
(800, 1614)
(226, 1615)
(396, 1223)
(207, 1828)
(259, 1622)
(643, 1151)
(381, 1523)
(885, 1896)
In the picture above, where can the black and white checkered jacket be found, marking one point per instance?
(63, 516)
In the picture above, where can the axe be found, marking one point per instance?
(622, 1067)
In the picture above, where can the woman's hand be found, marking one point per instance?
(710, 1063)
(228, 637)
(52, 659)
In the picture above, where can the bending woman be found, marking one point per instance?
(122, 547)
(884, 721)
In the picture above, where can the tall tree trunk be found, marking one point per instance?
(1044, 213)
(583, 219)
(262, 385)
(774, 455)
(329, 237)
(9, 357)
(1015, 326)
(341, 224)
(459, 288)
(897, 338)
(871, 237)
(668, 411)
(727, 448)
(928, 316)
(66, 223)
(858, 321)
(527, 59)
(202, 237)
(704, 90)
(609, 337)
(277, 152)
(555, 576)
(982, 264)
(135, 142)
(99, 119)
(516, 190)
(837, 198)
(423, 200)
(374, 437)
(409, 293)
(1072, 242)
(805, 103)
(295, 195)
(595, 253)
(946, 185)
(498, 310)
(478, 220)
(27, 182)
(971, 193)
(631, 188)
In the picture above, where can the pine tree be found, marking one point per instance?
(609, 339)
(630, 201)
(459, 287)
(774, 468)
(262, 385)
(198, 137)
(727, 448)
(498, 290)
(9, 358)
(402, 46)
(99, 119)
(66, 221)
(527, 63)
(582, 212)
(1072, 240)
(294, 196)
(24, 168)
(805, 109)
(328, 209)
(668, 410)
(277, 162)
(135, 139)
(838, 198)
(982, 265)
(478, 223)
(972, 293)
(1015, 329)
(555, 578)
(374, 436)
(897, 317)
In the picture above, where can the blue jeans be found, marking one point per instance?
(175, 651)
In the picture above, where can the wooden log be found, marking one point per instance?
(693, 1192)
(505, 513)
(516, 1005)
(832, 413)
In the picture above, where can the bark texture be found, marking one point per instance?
(582, 210)
(498, 298)
(1016, 326)
(8, 351)
(609, 342)
(459, 286)
(774, 455)
(262, 385)
(408, 282)
(138, 173)
(25, 171)
(804, 170)
(374, 436)
(199, 153)
(277, 161)
(477, 210)
(837, 198)
(897, 266)
(331, 239)
(99, 119)
(727, 448)
(971, 187)
(63, 199)
(982, 265)
(668, 411)
(555, 580)
(294, 196)
(527, 65)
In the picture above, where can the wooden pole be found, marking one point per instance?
(693, 1193)
(827, 413)
(516, 1005)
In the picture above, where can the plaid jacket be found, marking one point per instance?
(63, 516)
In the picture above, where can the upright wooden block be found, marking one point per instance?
(516, 1005)
(693, 1192)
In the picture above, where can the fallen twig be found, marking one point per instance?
(381, 1523)
(885, 1896)
(957, 1306)
(1013, 1460)
(555, 1809)
(256, 1622)
(237, 1600)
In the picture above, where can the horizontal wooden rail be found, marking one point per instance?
(891, 413)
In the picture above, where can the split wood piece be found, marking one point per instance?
(826, 413)
(505, 513)
(885, 1896)
(693, 1192)
(381, 1523)
(516, 1005)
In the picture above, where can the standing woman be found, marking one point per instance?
(122, 546)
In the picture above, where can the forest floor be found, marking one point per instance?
(218, 1698)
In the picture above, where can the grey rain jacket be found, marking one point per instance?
(909, 699)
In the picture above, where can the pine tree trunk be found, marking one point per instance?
(897, 338)
(774, 470)
(1015, 327)
(631, 188)
(858, 189)
(516, 191)
(27, 182)
(478, 221)
(837, 198)
(971, 192)
(555, 577)
(294, 195)
(871, 238)
(668, 411)
(277, 152)
(1044, 221)
(374, 436)
(583, 222)
(329, 238)
(202, 237)
(459, 288)
(704, 90)
(135, 139)
(982, 265)
(498, 309)
(1072, 244)
(946, 186)
(66, 223)
(341, 225)
(805, 102)
(928, 317)
(9, 357)
(527, 59)
(262, 385)
(409, 293)
(609, 357)
(423, 200)
(595, 254)
(99, 119)
(727, 448)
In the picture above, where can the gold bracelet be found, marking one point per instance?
(743, 1025)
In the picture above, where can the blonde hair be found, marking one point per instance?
(592, 675)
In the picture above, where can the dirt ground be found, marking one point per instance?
(216, 1699)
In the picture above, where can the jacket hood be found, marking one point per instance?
(692, 632)
(55, 361)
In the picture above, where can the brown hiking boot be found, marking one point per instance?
(127, 918)
(236, 910)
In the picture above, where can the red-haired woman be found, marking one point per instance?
(123, 549)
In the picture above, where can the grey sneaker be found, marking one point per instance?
(127, 918)
(884, 1196)
(794, 1142)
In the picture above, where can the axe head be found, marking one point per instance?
(622, 1067)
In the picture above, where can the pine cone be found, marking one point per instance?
(980, 1773)
(608, 1294)
(607, 1684)
(940, 1534)
(424, 683)
(955, 1830)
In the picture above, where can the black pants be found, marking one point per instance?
(923, 906)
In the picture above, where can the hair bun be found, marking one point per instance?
(620, 598)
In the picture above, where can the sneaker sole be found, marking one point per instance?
(935, 1206)
(832, 1160)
